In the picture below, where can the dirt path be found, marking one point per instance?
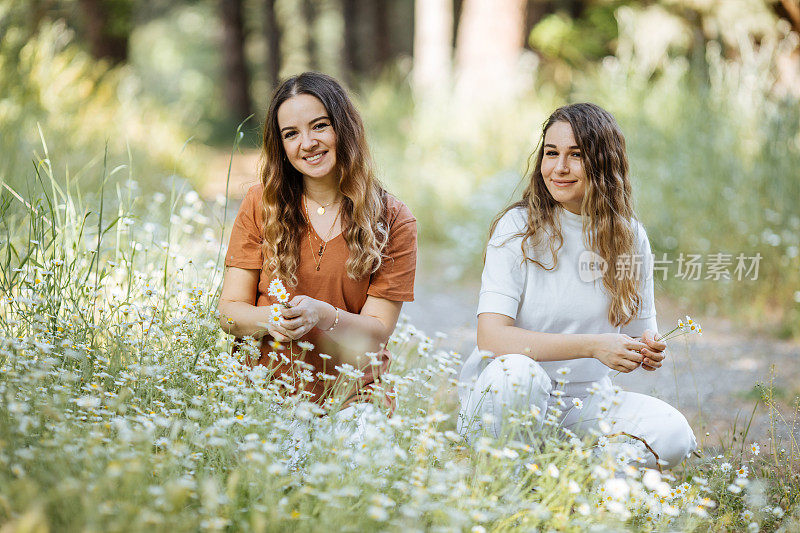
(711, 378)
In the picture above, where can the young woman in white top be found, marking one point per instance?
(567, 295)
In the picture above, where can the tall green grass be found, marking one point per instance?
(123, 408)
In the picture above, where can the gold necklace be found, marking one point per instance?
(324, 244)
(321, 208)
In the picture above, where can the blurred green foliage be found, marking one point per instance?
(713, 130)
(53, 92)
(182, 70)
(714, 151)
(577, 40)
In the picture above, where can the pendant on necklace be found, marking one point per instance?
(320, 210)
(321, 250)
(317, 268)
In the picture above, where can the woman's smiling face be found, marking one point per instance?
(308, 137)
(562, 167)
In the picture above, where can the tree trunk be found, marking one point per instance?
(310, 16)
(383, 48)
(106, 40)
(237, 81)
(488, 45)
(350, 64)
(272, 34)
(433, 48)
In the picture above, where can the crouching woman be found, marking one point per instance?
(320, 223)
(566, 298)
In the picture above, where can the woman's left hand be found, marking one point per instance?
(654, 353)
(302, 315)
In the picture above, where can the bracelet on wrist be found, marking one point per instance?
(335, 320)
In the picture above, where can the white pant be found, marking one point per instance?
(353, 419)
(516, 382)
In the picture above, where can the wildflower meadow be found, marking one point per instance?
(123, 407)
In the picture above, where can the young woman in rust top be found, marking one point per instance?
(320, 222)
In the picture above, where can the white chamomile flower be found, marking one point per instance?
(376, 513)
(533, 468)
(277, 290)
(274, 286)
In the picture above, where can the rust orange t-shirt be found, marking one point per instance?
(394, 280)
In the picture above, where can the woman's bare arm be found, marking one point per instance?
(497, 334)
(238, 313)
(354, 334)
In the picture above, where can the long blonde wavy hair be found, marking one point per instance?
(363, 210)
(607, 206)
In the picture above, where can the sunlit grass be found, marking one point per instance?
(51, 86)
(123, 408)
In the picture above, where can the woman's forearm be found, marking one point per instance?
(242, 319)
(354, 334)
(505, 339)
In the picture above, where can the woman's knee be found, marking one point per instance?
(510, 381)
(519, 372)
(677, 441)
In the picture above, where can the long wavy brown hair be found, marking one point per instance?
(363, 210)
(607, 206)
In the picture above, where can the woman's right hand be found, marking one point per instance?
(277, 333)
(618, 351)
(271, 328)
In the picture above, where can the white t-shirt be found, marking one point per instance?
(567, 299)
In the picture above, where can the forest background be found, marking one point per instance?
(125, 145)
(453, 93)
